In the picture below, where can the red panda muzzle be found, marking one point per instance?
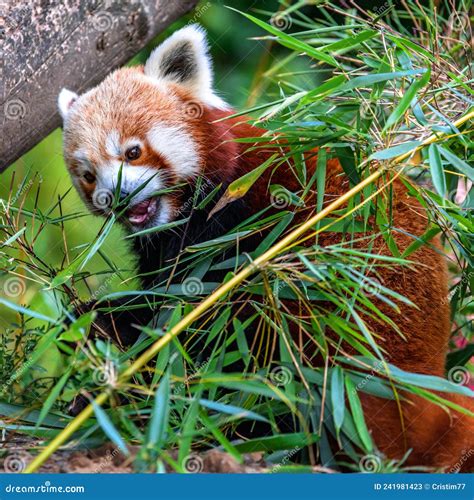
(142, 212)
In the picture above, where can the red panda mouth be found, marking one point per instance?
(142, 212)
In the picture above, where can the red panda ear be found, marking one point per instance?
(66, 99)
(184, 59)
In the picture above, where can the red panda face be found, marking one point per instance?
(132, 137)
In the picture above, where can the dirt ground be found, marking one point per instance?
(108, 460)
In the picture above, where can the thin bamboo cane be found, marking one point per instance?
(218, 294)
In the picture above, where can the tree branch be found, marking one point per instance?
(47, 45)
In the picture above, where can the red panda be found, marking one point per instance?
(162, 124)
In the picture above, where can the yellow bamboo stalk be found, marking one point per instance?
(218, 294)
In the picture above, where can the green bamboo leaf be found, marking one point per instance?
(399, 149)
(407, 100)
(188, 425)
(13, 238)
(274, 234)
(52, 397)
(239, 188)
(98, 242)
(158, 229)
(328, 87)
(350, 42)
(425, 238)
(338, 397)
(358, 415)
(275, 443)
(436, 169)
(291, 42)
(160, 414)
(460, 357)
(67, 273)
(235, 411)
(456, 162)
(221, 439)
(320, 179)
(228, 238)
(109, 428)
(275, 110)
(27, 311)
(372, 78)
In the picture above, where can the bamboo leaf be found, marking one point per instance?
(159, 417)
(407, 99)
(456, 162)
(239, 188)
(436, 169)
(338, 397)
(109, 428)
(358, 415)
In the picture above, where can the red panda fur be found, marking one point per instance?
(127, 103)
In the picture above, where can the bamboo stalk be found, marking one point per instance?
(218, 294)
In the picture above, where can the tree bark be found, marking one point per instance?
(49, 44)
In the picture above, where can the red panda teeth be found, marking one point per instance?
(143, 211)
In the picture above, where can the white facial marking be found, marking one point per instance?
(83, 162)
(130, 143)
(147, 181)
(177, 147)
(112, 143)
(164, 215)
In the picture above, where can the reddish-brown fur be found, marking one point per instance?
(438, 438)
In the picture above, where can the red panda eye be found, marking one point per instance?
(133, 153)
(88, 177)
